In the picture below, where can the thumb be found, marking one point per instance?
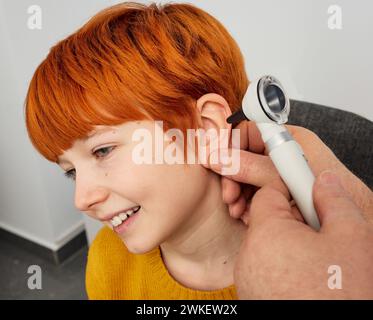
(332, 202)
(255, 169)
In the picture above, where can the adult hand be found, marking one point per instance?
(282, 258)
(257, 170)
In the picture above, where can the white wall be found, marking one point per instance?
(288, 38)
(291, 38)
(36, 202)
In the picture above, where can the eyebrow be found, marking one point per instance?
(90, 136)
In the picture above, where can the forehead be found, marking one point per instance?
(99, 130)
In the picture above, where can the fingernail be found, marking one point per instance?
(329, 178)
(225, 157)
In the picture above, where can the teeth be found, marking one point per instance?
(116, 221)
(123, 216)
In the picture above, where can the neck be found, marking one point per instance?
(209, 241)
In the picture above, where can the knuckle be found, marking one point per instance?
(310, 134)
(245, 168)
(306, 132)
(260, 194)
(267, 192)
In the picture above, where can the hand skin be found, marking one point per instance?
(282, 258)
(257, 170)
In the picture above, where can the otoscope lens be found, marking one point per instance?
(275, 98)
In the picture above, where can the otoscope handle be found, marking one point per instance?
(291, 164)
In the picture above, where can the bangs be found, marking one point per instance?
(66, 100)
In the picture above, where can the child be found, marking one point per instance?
(167, 233)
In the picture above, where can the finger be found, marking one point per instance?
(236, 209)
(246, 192)
(254, 169)
(294, 209)
(245, 217)
(231, 190)
(271, 201)
(281, 187)
(250, 137)
(333, 203)
(294, 130)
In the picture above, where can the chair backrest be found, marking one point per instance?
(350, 136)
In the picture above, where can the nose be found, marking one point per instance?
(89, 194)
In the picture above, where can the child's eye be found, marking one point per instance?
(70, 174)
(105, 151)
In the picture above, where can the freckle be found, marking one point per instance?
(106, 174)
(225, 262)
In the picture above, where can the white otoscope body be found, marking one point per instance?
(267, 104)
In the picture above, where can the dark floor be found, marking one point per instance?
(65, 281)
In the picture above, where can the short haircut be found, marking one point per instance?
(132, 62)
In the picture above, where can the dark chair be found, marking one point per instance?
(349, 136)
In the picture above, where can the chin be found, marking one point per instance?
(138, 248)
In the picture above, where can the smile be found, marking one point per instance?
(123, 216)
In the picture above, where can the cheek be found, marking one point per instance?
(168, 195)
(175, 188)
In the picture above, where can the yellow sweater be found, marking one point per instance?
(115, 273)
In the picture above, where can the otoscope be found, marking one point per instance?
(266, 103)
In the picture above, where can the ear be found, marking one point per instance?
(214, 110)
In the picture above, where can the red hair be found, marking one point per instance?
(132, 62)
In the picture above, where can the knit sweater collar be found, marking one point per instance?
(154, 258)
